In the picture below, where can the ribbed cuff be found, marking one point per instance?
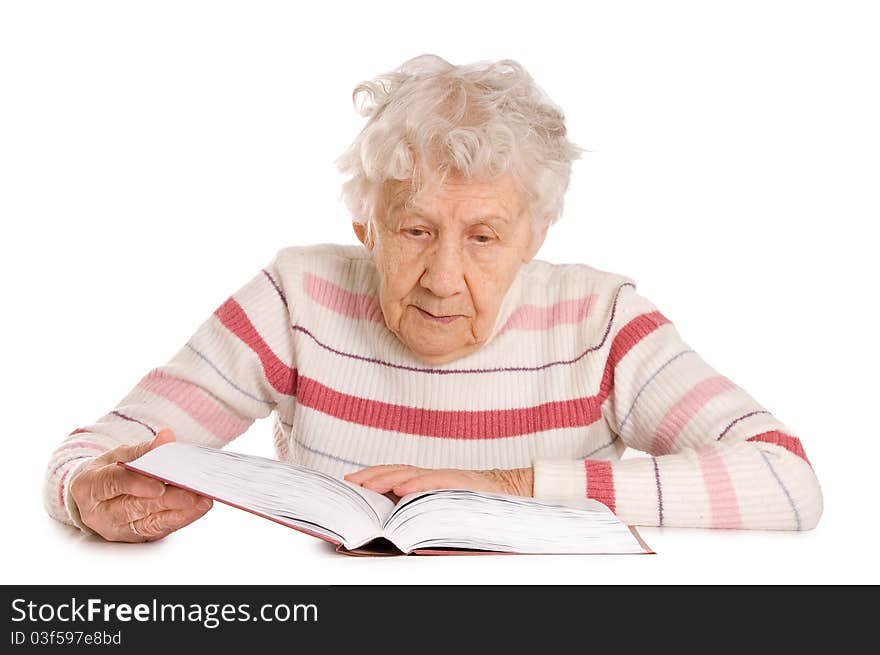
(69, 504)
(559, 479)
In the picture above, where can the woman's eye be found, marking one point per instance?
(415, 232)
(482, 238)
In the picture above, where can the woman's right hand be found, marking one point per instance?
(121, 505)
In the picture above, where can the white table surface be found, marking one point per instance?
(229, 546)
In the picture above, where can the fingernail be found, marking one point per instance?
(204, 503)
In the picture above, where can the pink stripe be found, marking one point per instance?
(341, 301)
(77, 431)
(600, 482)
(787, 441)
(448, 424)
(206, 411)
(684, 410)
(534, 317)
(722, 497)
(629, 336)
(479, 424)
(281, 376)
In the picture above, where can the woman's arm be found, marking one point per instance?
(233, 370)
(717, 458)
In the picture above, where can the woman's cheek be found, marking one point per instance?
(393, 261)
(404, 249)
(489, 284)
(401, 271)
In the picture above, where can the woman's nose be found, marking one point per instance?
(444, 271)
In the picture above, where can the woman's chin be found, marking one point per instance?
(435, 354)
(436, 343)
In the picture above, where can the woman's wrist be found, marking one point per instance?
(518, 482)
(69, 499)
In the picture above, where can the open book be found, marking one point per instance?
(361, 521)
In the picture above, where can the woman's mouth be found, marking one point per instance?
(438, 319)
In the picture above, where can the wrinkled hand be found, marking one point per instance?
(401, 479)
(112, 499)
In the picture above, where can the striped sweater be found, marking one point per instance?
(578, 367)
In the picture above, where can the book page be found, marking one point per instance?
(460, 518)
(290, 494)
(382, 505)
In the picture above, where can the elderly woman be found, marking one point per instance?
(440, 353)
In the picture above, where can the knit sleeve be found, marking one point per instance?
(235, 368)
(715, 457)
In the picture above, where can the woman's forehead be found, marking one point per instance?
(496, 198)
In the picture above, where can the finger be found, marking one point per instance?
(431, 480)
(122, 533)
(129, 453)
(122, 509)
(112, 480)
(161, 524)
(365, 473)
(359, 477)
(387, 481)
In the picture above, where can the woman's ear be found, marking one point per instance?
(364, 234)
(537, 240)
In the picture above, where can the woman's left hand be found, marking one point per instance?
(402, 479)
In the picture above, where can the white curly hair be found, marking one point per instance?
(428, 119)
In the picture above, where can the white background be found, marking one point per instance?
(154, 156)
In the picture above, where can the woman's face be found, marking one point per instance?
(446, 262)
